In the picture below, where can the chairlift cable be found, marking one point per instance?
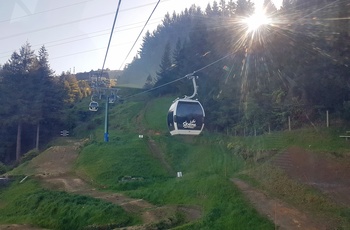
(179, 79)
(146, 91)
(110, 37)
(139, 35)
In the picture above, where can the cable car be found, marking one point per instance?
(93, 106)
(186, 115)
(111, 99)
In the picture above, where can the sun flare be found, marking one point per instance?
(258, 19)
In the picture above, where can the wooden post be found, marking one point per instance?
(327, 116)
(289, 126)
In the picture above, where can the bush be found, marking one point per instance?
(29, 155)
(3, 168)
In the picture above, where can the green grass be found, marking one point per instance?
(222, 203)
(27, 203)
(108, 163)
(206, 167)
(156, 114)
(275, 182)
(126, 164)
(323, 140)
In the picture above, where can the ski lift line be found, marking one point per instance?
(86, 51)
(186, 76)
(87, 36)
(147, 91)
(51, 27)
(139, 34)
(67, 23)
(111, 35)
(41, 12)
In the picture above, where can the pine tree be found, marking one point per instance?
(164, 75)
(17, 74)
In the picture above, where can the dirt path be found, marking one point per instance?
(54, 168)
(152, 145)
(56, 173)
(283, 215)
(325, 172)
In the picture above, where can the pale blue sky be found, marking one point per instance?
(76, 32)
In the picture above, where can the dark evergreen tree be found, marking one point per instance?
(149, 82)
(165, 76)
(17, 73)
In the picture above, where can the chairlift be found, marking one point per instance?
(186, 115)
(93, 106)
(111, 99)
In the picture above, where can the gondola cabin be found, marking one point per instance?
(93, 106)
(111, 99)
(186, 117)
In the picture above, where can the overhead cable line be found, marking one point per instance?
(110, 37)
(41, 12)
(67, 23)
(186, 76)
(89, 36)
(139, 34)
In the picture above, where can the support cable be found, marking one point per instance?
(110, 37)
(186, 76)
(139, 35)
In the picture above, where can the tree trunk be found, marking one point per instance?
(37, 136)
(18, 144)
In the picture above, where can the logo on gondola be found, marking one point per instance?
(189, 125)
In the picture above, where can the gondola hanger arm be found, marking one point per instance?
(195, 87)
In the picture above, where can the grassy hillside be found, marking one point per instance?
(28, 203)
(206, 167)
(131, 165)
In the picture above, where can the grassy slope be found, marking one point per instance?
(275, 182)
(206, 168)
(27, 203)
(205, 161)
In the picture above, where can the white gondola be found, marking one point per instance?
(186, 116)
(111, 99)
(93, 106)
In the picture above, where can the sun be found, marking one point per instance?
(258, 19)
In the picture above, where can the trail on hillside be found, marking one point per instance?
(152, 145)
(284, 216)
(326, 173)
(54, 168)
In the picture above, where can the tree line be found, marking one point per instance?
(33, 101)
(297, 66)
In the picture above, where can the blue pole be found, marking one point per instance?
(106, 138)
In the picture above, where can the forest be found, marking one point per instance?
(250, 82)
(34, 102)
(294, 67)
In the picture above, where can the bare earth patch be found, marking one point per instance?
(328, 173)
(283, 215)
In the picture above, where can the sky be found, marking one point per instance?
(76, 32)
